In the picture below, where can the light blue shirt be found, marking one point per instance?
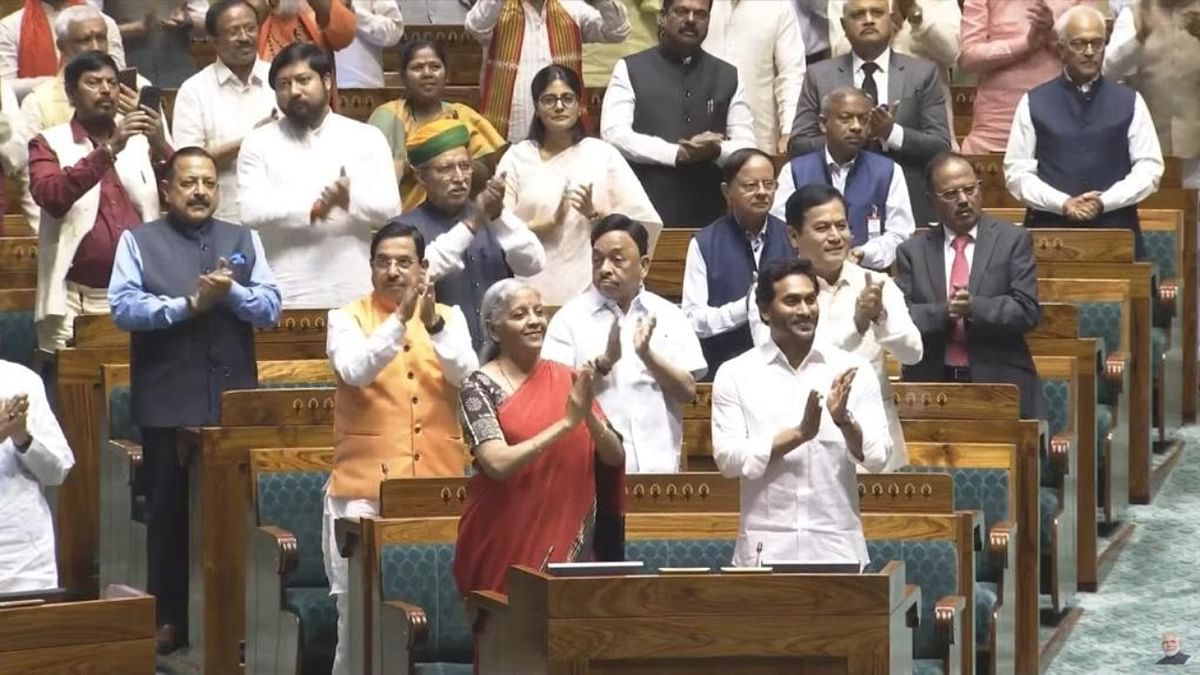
(135, 309)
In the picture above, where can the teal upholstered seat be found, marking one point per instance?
(659, 553)
(1047, 509)
(423, 575)
(1102, 320)
(1057, 393)
(928, 667)
(986, 597)
(931, 565)
(1158, 347)
(294, 501)
(18, 336)
(444, 669)
(1161, 249)
(983, 490)
(120, 415)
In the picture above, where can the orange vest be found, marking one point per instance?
(404, 424)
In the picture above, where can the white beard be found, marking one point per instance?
(289, 8)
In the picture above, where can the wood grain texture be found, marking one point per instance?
(952, 401)
(1184, 327)
(18, 262)
(15, 299)
(1059, 320)
(422, 497)
(670, 253)
(108, 658)
(685, 493)
(905, 493)
(66, 624)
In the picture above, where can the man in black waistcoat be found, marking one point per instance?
(675, 112)
(1083, 150)
(190, 289)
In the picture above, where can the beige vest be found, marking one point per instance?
(58, 238)
(406, 420)
(1168, 74)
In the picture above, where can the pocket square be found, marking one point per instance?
(237, 259)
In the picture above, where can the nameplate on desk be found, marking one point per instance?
(596, 569)
(809, 567)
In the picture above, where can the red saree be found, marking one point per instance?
(550, 502)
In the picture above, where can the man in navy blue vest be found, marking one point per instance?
(1083, 150)
(723, 259)
(472, 243)
(873, 186)
(190, 289)
(675, 111)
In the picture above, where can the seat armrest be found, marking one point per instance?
(285, 547)
(1114, 371)
(948, 626)
(1060, 453)
(1168, 291)
(404, 620)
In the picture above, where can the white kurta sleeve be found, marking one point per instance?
(48, 457)
(374, 192)
(1146, 156)
(380, 22)
(452, 346)
(739, 124)
(1021, 165)
(357, 358)
(481, 19)
(790, 64)
(737, 452)
(600, 21)
(1121, 55)
(616, 124)
(866, 405)
(523, 251)
(260, 202)
(707, 321)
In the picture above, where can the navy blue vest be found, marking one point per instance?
(731, 269)
(866, 186)
(484, 264)
(1083, 145)
(678, 99)
(177, 374)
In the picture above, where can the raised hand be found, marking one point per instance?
(612, 350)
(811, 423)
(868, 309)
(839, 395)
(960, 303)
(583, 392)
(580, 199)
(428, 305)
(881, 120)
(406, 309)
(13, 419)
(856, 255)
(127, 100)
(641, 337)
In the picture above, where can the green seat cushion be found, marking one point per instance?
(986, 597)
(1057, 393)
(1161, 249)
(1102, 320)
(444, 669)
(18, 336)
(120, 415)
(1104, 424)
(928, 667)
(983, 490)
(659, 553)
(294, 501)
(317, 611)
(423, 575)
(1047, 510)
(931, 565)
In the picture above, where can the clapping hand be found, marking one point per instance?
(428, 305)
(178, 18)
(856, 255)
(1041, 24)
(13, 420)
(580, 198)
(612, 351)
(410, 300)
(839, 395)
(868, 309)
(1084, 207)
(212, 287)
(812, 417)
(881, 121)
(489, 203)
(702, 147)
(641, 337)
(960, 303)
(583, 392)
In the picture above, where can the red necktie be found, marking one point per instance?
(960, 276)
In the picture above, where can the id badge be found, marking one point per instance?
(874, 224)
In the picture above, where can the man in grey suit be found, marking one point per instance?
(971, 287)
(908, 122)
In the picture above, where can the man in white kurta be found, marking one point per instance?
(315, 185)
(379, 26)
(763, 41)
(791, 419)
(33, 454)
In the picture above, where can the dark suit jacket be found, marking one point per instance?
(1178, 659)
(1003, 286)
(913, 82)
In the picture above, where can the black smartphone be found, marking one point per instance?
(128, 78)
(150, 97)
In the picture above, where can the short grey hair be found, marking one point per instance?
(84, 12)
(839, 94)
(1060, 26)
(495, 302)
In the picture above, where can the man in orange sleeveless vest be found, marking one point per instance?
(399, 358)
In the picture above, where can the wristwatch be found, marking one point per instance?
(437, 326)
(916, 16)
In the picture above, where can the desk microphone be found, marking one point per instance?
(546, 560)
(758, 555)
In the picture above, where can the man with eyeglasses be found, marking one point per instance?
(971, 288)
(473, 243)
(878, 207)
(676, 112)
(314, 184)
(399, 357)
(1083, 150)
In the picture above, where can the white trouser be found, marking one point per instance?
(337, 569)
(54, 332)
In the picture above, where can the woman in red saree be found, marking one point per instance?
(539, 443)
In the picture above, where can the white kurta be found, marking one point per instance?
(535, 194)
(804, 505)
(380, 26)
(27, 560)
(281, 173)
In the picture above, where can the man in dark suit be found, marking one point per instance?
(908, 122)
(971, 287)
(1172, 653)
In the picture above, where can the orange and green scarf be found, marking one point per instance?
(504, 56)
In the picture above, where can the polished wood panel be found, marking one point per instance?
(18, 262)
(906, 493)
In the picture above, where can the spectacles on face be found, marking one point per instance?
(967, 191)
(750, 187)
(384, 263)
(448, 170)
(1080, 46)
(551, 101)
(684, 14)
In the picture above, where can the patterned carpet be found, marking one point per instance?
(1151, 589)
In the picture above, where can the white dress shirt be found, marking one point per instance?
(358, 358)
(10, 42)
(884, 61)
(379, 25)
(804, 505)
(214, 107)
(650, 424)
(14, 143)
(282, 171)
(616, 124)
(1121, 54)
(763, 40)
(604, 21)
(949, 253)
(894, 333)
(1021, 165)
(27, 561)
(814, 23)
(899, 224)
(709, 321)
(523, 251)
